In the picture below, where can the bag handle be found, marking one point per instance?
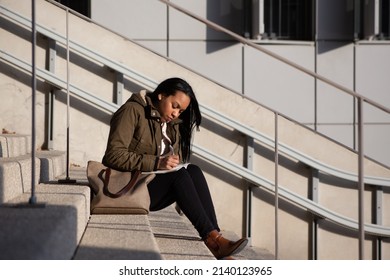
(134, 178)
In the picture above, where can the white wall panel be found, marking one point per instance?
(373, 71)
(135, 19)
(280, 86)
(222, 65)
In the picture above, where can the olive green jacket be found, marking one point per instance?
(134, 142)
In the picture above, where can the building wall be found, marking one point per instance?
(359, 66)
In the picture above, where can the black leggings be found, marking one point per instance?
(187, 187)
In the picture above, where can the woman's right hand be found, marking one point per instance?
(168, 162)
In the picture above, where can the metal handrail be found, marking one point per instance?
(52, 79)
(372, 180)
(77, 47)
(243, 172)
(150, 84)
(112, 107)
(308, 204)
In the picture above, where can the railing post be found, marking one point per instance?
(314, 182)
(67, 179)
(119, 88)
(378, 219)
(276, 186)
(50, 96)
(361, 177)
(33, 198)
(249, 154)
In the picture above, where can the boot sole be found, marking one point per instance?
(240, 247)
(237, 250)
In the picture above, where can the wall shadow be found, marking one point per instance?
(228, 14)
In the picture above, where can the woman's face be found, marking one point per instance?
(171, 106)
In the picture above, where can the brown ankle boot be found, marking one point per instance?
(222, 247)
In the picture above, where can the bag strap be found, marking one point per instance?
(134, 178)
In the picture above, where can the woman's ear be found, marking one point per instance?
(160, 96)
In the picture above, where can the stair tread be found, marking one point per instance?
(12, 145)
(249, 252)
(116, 237)
(178, 239)
(49, 229)
(15, 172)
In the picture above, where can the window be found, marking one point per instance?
(80, 6)
(289, 20)
(372, 20)
(384, 22)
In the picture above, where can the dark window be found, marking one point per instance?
(81, 6)
(384, 22)
(289, 19)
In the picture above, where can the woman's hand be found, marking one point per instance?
(168, 162)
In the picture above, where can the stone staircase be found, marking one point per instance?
(59, 226)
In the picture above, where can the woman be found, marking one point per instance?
(152, 132)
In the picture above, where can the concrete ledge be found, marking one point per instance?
(15, 176)
(38, 233)
(77, 173)
(14, 145)
(15, 172)
(53, 165)
(118, 237)
(49, 232)
(3, 147)
(77, 196)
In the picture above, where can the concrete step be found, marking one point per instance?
(51, 229)
(15, 172)
(15, 176)
(118, 237)
(14, 145)
(176, 237)
(53, 165)
(249, 252)
(178, 240)
(115, 237)
(76, 173)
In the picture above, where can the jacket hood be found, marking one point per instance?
(144, 99)
(141, 98)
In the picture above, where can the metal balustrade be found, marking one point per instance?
(251, 134)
